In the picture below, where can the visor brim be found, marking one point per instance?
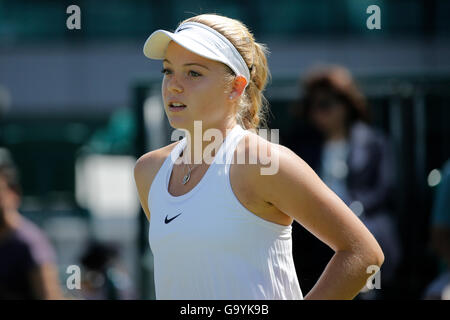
(156, 45)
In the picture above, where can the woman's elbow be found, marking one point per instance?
(375, 256)
(380, 257)
(370, 254)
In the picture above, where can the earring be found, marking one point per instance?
(230, 97)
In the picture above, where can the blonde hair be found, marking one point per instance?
(253, 106)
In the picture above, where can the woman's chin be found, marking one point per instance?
(179, 122)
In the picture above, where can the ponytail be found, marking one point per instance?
(254, 106)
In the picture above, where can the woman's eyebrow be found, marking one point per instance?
(196, 64)
(189, 64)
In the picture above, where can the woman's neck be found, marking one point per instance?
(196, 145)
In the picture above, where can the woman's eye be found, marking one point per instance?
(165, 71)
(194, 74)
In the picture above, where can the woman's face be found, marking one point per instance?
(198, 84)
(327, 113)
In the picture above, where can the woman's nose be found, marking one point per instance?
(174, 85)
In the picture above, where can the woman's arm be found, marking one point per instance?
(145, 170)
(297, 191)
(143, 177)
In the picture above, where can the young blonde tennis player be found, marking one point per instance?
(221, 228)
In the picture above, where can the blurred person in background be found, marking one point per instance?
(102, 278)
(439, 289)
(27, 259)
(353, 159)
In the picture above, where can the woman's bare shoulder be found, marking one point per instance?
(259, 152)
(149, 163)
(266, 161)
(145, 170)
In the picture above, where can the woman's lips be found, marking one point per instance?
(176, 109)
(176, 106)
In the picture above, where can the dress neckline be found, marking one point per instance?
(176, 152)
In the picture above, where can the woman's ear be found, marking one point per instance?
(239, 84)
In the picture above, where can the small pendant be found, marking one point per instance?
(186, 178)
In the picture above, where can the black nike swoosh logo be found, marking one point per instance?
(168, 220)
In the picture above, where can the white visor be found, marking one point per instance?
(199, 39)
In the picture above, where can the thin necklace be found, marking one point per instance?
(187, 176)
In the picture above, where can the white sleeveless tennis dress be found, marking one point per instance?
(207, 245)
